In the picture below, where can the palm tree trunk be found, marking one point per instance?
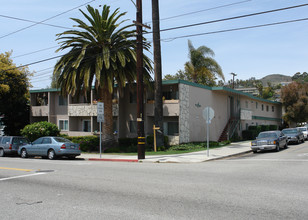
(107, 135)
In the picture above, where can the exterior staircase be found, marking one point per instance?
(229, 129)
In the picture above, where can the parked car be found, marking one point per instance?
(50, 147)
(305, 132)
(10, 144)
(269, 140)
(294, 135)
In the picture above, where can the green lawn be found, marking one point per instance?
(183, 148)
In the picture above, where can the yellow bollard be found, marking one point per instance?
(154, 131)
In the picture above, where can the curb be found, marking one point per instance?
(114, 160)
(229, 156)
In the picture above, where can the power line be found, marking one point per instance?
(35, 22)
(14, 32)
(35, 52)
(208, 9)
(184, 36)
(236, 29)
(232, 18)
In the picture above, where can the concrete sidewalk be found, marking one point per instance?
(194, 157)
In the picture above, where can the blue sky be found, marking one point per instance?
(280, 49)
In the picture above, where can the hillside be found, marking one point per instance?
(275, 79)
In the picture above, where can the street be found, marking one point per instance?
(266, 185)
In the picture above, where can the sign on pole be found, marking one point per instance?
(100, 119)
(208, 114)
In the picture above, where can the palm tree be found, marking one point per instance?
(101, 53)
(202, 68)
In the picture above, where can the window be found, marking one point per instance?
(256, 105)
(62, 100)
(133, 126)
(273, 108)
(46, 141)
(262, 107)
(267, 108)
(171, 128)
(6, 140)
(86, 126)
(38, 141)
(63, 125)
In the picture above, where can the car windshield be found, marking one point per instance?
(267, 135)
(61, 139)
(290, 131)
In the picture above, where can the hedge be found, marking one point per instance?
(87, 143)
(40, 129)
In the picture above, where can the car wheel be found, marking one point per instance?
(254, 151)
(51, 154)
(286, 145)
(24, 153)
(1, 152)
(277, 147)
(298, 141)
(303, 140)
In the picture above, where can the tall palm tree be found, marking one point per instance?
(201, 67)
(101, 53)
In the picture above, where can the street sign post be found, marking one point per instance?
(208, 114)
(100, 119)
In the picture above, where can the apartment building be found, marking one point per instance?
(183, 103)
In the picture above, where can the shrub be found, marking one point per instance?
(273, 127)
(87, 143)
(150, 143)
(265, 127)
(40, 129)
(250, 134)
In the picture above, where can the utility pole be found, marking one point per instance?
(140, 121)
(158, 106)
(233, 79)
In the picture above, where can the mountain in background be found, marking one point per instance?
(275, 79)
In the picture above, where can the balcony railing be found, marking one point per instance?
(39, 111)
(170, 108)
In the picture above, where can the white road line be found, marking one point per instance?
(22, 176)
(274, 160)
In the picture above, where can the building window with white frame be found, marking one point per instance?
(86, 125)
(63, 125)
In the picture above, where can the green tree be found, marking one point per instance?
(14, 95)
(102, 52)
(294, 97)
(201, 67)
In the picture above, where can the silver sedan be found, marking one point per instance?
(50, 147)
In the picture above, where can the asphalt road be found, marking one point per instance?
(252, 186)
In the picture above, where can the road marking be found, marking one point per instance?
(7, 168)
(275, 160)
(16, 177)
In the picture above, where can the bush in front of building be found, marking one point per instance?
(250, 134)
(40, 129)
(273, 127)
(86, 143)
(265, 127)
(150, 144)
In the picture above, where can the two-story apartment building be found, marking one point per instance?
(182, 108)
